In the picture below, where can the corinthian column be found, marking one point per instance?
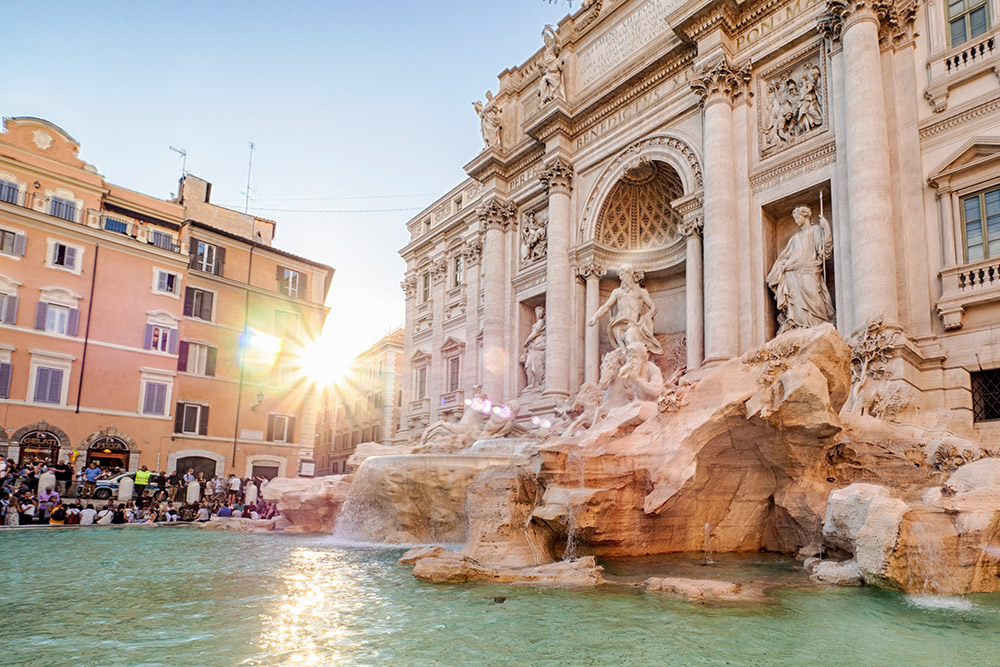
(694, 296)
(592, 272)
(719, 88)
(495, 218)
(869, 188)
(557, 179)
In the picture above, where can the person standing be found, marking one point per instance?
(90, 475)
(234, 487)
(64, 476)
(173, 484)
(142, 480)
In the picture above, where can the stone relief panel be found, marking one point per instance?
(794, 102)
(534, 237)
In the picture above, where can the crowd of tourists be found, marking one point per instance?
(155, 497)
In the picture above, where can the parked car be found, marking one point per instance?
(108, 488)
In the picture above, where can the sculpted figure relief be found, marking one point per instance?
(797, 275)
(534, 239)
(552, 78)
(489, 117)
(794, 105)
(533, 356)
(633, 318)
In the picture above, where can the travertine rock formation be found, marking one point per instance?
(439, 565)
(704, 590)
(311, 505)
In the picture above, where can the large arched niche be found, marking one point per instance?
(637, 214)
(672, 151)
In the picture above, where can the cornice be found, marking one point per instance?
(823, 153)
(943, 125)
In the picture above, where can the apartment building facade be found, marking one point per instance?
(137, 331)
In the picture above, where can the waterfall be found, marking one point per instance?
(574, 462)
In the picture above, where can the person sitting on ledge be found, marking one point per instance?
(225, 511)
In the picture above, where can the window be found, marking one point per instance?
(162, 240)
(376, 433)
(421, 389)
(12, 243)
(63, 208)
(117, 226)
(454, 365)
(56, 318)
(9, 192)
(63, 256)
(160, 338)
(8, 308)
(166, 282)
(284, 374)
(986, 396)
(197, 358)
(967, 19)
(6, 370)
(48, 385)
(981, 220)
(425, 287)
(457, 271)
(198, 303)
(191, 418)
(154, 400)
(207, 257)
(291, 283)
(286, 324)
(280, 428)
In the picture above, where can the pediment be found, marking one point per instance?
(452, 343)
(420, 355)
(974, 153)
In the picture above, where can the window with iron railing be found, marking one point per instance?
(986, 396)
(967, 19)
(9, 192)
(163, 240)
(63, 208)
(117, 226)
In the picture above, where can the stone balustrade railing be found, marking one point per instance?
(951, 68)
(966, 286)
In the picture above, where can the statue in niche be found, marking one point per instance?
(797, 279)
(533, 355)
(489, 117)
(534, 239)
(633, 318)
(552, 78)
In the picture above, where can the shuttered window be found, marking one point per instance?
(64, 255)
(9, 192)
(198, 303)
(63, 208)
(8, 309)
(48, 385)
(55, 318)
(191, 418)
(155, 400)
(5, 372)
(12, 243)
(280, 428)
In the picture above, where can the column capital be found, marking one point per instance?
(691, 226)
(557, 176)
(473, 251)
(409, 285)
(897, 29)
(830, 26)
(590, 268)
(853, 11)
(722, 82)
(439, 269)
(496, 214)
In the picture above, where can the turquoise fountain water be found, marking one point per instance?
(181, 596)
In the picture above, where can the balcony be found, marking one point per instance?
(117, 224)
(967, 286)
(954, 67)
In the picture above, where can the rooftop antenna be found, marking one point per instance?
(184, 157)
(246, 203)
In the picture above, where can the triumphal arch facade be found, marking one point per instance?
(759, 166)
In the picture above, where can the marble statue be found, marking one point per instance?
(794, 106)
(489, 116)
(633, 318)
(534, 238)
(552, 78)
(533, 356)
(797, 275)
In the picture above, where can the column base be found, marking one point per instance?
(712, 362)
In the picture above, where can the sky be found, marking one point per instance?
(360, 113)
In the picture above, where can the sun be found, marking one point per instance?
(322, 364)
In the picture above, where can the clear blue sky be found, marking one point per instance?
(360, 105)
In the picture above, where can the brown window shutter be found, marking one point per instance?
(179, 417)
(303, 286)
(270, 428)
(220, 260)
(192, 251)
(290, 433)
(182, 356)
(188, 302)
(203, 424)
(213, 354)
